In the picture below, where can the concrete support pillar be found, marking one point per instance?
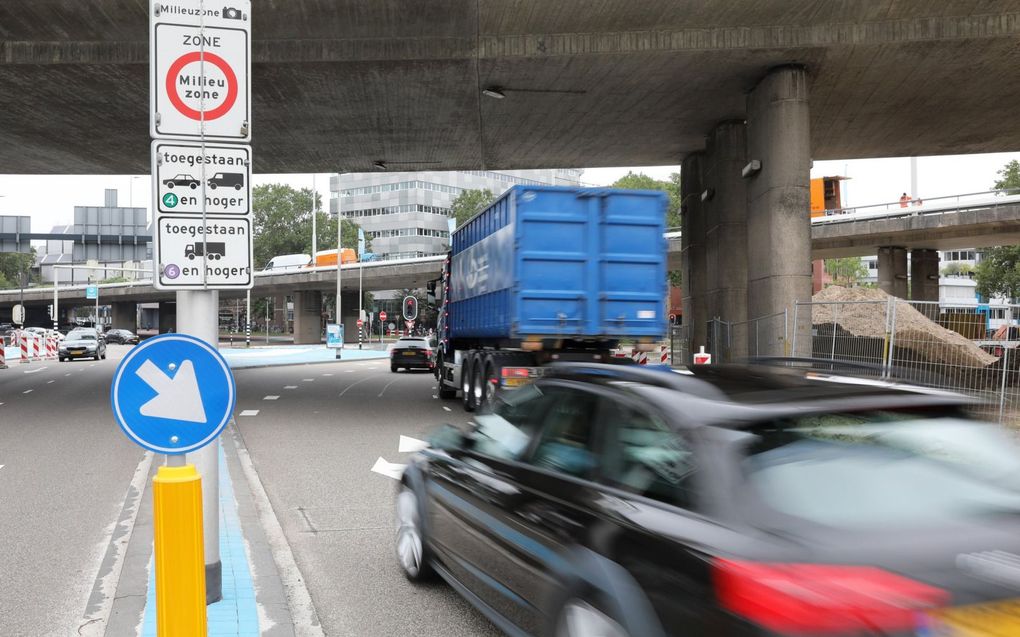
(924, 275)
(66, 320)
(167, 316)
(725, 215)
(278, 318)
(307, 317)
(778, 197)
(892, 271)
(124, 316)
(692, 251)
(349, 305)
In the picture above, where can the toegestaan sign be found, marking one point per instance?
(173, 394)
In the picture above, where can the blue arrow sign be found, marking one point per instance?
(173, 394)
(91, 291)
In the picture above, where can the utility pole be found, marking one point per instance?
(339, 259)
(315, 215)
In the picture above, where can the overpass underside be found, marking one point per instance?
(340, 85)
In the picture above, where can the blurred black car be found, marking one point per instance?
(411, 352)
(121, 337)
(617, 501)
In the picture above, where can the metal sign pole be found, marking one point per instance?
(339, 260)
(247, 319)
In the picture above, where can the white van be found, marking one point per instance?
(288, 262)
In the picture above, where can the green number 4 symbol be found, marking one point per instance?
(170, 200)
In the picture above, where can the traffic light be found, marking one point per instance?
(410, 308)
(49, 310)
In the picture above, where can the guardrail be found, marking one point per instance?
(917, 207)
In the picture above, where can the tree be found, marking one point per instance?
(469, 203)
(956, 269)
(1009, 177)
(998, 273)
(846, 271)
(641, 181)
(283, 223)
(12, 264)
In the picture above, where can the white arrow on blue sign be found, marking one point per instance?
(91, 292)
(173, 394)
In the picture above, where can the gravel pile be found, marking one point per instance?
(918, 339)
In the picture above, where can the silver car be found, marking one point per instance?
(83, 342)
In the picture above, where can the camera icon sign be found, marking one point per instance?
(230, 13)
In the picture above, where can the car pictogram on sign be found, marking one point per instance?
(181, 180)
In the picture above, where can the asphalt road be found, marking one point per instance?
(66, 468)
(313, 448)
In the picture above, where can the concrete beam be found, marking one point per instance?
(725, 213)
(778, 226)
(892, 271)
(692, 252)
(924, 275)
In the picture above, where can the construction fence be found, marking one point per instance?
(927, 343)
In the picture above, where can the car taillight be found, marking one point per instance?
(821, 598)
(515, 372)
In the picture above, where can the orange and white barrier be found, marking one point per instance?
(51, 348)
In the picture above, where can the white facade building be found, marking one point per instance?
(404, 214)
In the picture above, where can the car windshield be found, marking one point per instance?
(883, 469)
(81, 336)
(412, 342)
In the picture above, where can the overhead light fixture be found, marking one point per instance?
(494, 92)
(380, 165)
(751, 168)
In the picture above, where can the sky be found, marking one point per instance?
(50, 199)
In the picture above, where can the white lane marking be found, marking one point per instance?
(435, 396)
(298, 598)
(308, 380)
(271, 398)
(67, 374)
(354, 384)
(1, 466)
(27, 391)
(389, 469)
(32, 371)
(50, 381)
(290, 387)
(250, 412)
(408, 444)
(388, 386)
(433, 387)
(447, 408)
(351, 371)
(327, 374)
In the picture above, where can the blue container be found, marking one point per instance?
(549, 261)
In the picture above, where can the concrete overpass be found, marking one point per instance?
(339, 85)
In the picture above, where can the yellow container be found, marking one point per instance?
(180, 552)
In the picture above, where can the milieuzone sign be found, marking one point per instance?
(200, 122)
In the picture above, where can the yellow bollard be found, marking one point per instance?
(180, 553)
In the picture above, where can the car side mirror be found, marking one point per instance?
(447, 438)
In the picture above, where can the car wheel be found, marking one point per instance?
(104, 356)
(393, 368)
(467, 387)
(194, 185)
(170, 185)
(580, 618)
(412, 553)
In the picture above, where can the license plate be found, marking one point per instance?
(994, 619)
(410, 353)
(515, 382)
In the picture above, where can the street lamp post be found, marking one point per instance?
(339, 260)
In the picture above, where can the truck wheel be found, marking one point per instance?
(478, 384)
(467, 386)
(237, 186)
(489, 388)
(212, 186)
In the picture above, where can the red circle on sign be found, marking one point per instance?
(218, 62)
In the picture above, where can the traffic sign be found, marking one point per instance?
(180, 168)
(18, 314)
(190, 254)
(360, 322)
(173, 394)
(91, 292)
(382, 316)
(199, 70)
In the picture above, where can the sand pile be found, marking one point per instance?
(861, 312)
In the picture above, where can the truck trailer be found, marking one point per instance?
(547, 274)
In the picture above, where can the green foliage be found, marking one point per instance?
(641, 181)
(998, 273)
(846, 271)
(955, 269)
(1009, 177)
(12, 265)
(469, 203)
(283, 223)
(116, 279)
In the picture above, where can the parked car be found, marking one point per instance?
(82, 342)
(615, 500)
(121, 337)
(411, 352)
